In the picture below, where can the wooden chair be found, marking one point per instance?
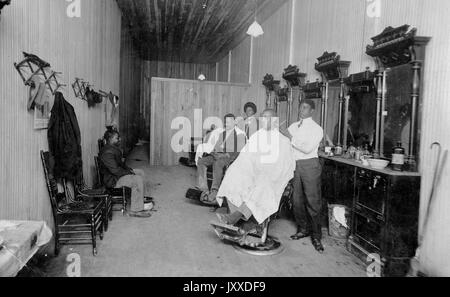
(101, 144)
(117, 196)
(73, 220)
(83, 192)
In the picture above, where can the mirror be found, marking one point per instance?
(397, 122)
(333, 71)
(314, 91)
(332, 124)
(361, 119)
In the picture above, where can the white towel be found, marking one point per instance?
(260, 174)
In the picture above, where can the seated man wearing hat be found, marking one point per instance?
(221, 149)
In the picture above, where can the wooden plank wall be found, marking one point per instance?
(130, 118)
(223, 69)
(175, 70)
(240, 62)
(173, 98)
(86, 47)
(345, 27)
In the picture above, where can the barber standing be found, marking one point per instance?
(306, 136)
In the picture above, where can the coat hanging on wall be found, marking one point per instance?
(64, 140)
(4, 3)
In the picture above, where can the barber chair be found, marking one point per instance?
(256, 241)
(286, 209)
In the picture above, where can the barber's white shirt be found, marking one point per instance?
(306, 138)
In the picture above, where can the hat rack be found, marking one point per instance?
(106, 94)
(80, 87)
(38, 67)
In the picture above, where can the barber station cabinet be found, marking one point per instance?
(384, 107)
(385, 211)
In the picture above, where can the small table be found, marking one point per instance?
(19, 242)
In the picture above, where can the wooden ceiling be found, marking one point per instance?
(195, 31)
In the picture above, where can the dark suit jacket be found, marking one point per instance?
(64, 140)
(112, 167)
(232, 145)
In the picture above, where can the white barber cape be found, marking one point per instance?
(260, 174)
(210, 144)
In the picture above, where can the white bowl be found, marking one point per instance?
(378, 163)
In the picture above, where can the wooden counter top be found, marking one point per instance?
(352, 162)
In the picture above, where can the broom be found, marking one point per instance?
(415, 262)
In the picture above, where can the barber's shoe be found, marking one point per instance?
(148, 199)
(209, 198)
(300, 235)
(140, 214)
(318, 245)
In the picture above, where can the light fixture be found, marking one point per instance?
(255, 28)
(201, 77)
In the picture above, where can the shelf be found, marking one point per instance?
(386, 171)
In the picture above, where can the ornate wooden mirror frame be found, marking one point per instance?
(392, 49)
(333, 70)
(295, 81)
(360, 83)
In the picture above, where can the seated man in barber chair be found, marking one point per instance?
(222, 148)
(117, 174)
(255, 182)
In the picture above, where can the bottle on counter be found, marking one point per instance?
(366, 151)
(351, 151)
(358, 154)
(398, 157)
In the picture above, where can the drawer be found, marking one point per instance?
(371, 192)
(368, 232)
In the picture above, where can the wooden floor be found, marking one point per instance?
(179, 241)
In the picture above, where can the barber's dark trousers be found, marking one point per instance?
(218, 171)
(308, 197)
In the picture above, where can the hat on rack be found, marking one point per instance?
(97, 98)
(37, 90)
(90, 97)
